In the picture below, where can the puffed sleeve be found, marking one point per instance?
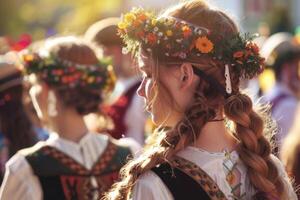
(291, 195)
(19, 181)
(150, 187)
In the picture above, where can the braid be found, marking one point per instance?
(168, 144)
(254, 149)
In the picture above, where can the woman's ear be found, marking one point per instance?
(186, 75)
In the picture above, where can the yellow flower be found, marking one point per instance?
(153, 22)
(204, 45)
(122, 25)
(129, 18)
(169, 33)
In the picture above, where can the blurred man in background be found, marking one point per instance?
(127, 108)
(282, 54)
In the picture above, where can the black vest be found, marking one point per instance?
(181, 185)
(62, 178)
(185, 180)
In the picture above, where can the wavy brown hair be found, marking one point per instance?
(15, 123)
(82, 98)
(253, 148)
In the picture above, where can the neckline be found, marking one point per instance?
(55, 138)
(215, 153)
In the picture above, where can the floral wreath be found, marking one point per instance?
(63, 73)
(181, 39)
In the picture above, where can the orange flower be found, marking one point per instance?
(151, 38)
(186, 31)
(142, 17)
(238, 54)
(28, 57)
(136, 23)
(204, 45)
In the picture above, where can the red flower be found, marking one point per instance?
(64, 79)
(186, 31)
(248, 53)
(253, 47)
(7, 97)
(238, 54)
(151, 38)
(140, 34)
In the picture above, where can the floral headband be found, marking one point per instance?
(63, 73)
(180, 39)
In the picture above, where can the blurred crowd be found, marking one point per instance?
(26, 120)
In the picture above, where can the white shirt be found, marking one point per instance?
(284, 112)
(20, 183)
(150, 187)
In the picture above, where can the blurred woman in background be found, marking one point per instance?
(68, 81)
(290, 153)
(16, 129)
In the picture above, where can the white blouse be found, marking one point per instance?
(150, 187)
(20, 183)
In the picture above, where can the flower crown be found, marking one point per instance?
(63, 73)
(180, 39)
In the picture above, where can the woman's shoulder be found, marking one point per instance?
(18, 162)
(149, 187)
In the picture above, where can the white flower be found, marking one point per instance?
(182, 55)
(125, 50)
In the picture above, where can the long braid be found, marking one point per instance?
(254, 149)
(168, 144)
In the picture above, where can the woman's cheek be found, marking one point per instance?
(148, 88)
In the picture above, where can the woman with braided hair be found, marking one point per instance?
(68, 80)
(192, 58)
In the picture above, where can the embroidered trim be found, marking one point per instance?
(230, 166)
(96, 170)
(200, 177)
